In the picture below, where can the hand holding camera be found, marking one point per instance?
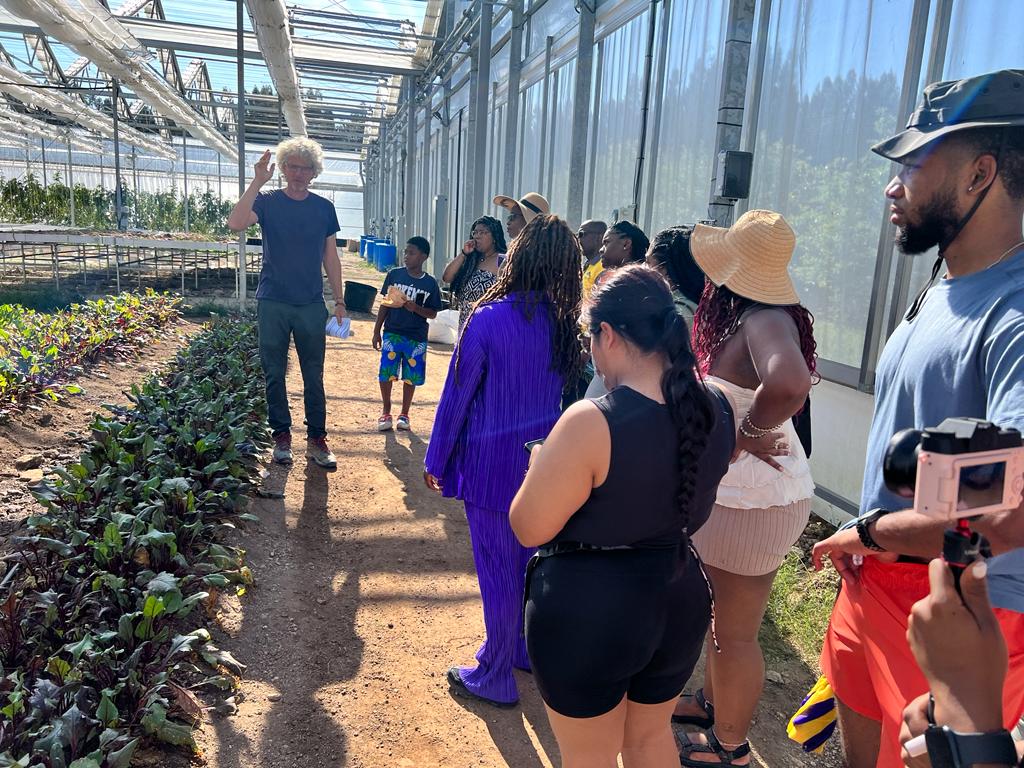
(962, 469)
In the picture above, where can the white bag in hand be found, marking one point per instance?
(342, 330)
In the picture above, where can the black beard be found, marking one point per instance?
(938, 222)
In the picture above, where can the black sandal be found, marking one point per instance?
(704, 722)
(458, 687)
(713, 747)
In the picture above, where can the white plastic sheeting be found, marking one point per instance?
(22, 126)
(270, 22)
(128, 9)
(23, 88)
(90, 30)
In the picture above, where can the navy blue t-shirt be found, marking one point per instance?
(294, 234)
(422, 290)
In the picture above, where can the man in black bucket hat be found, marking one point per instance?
(958, 352)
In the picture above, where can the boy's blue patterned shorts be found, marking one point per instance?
(402, 355)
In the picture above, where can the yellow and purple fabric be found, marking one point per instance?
(815, 720)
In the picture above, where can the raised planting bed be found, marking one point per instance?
(101, 642)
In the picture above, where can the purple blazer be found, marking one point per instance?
(503, 395)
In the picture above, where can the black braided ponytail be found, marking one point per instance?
(636, 301)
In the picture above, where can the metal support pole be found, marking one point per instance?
(446, 173)
(410, 160)
(515, 67)
(581, 113)
(425, 192)
(240, 54)
(71, 186)
(382, 184)
(118, 202)
(545, 112)
(738, 35)
(135, 183)
(657, 110)
(479, 85)
(184, 160)
(42, 143)
(595, 131)
(220, 180)
(645, 109)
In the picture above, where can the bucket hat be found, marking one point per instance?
(531, 204)
(750, 258)
(991, 100)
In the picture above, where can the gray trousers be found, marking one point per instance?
(278, 323)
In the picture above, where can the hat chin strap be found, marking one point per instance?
(947, 241)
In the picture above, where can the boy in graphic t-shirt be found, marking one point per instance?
(411, 298)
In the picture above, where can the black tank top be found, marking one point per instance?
(637, 505)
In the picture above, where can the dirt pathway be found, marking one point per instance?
(366, 594)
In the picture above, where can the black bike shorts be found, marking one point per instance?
(607, 624)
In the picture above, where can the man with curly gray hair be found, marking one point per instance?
(299, 229)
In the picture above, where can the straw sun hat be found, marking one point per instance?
(531, 204)
(750, 258)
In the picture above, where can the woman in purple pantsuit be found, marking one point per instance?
(503, 390)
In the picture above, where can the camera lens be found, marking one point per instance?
(899, 467)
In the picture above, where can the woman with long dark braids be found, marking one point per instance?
(754, 338)
(617, 603)
(475, 267)
(504, 387)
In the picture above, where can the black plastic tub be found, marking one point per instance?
(359, 296)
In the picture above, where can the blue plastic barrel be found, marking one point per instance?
(362, 245)
(388, 257)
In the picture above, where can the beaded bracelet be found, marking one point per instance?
(755, 432)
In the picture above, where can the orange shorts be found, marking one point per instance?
(867, 660)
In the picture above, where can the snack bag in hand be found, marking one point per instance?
(395, 297)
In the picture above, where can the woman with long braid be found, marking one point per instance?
(475, 268)
(753, 337)
(504, 387)
(617, 603)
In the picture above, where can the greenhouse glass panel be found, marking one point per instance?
(617, 136)
(551, 19)
(686, 146)
(832, 82)
(965, 57)
(560, 141)
(531, 114)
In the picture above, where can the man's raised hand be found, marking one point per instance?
(264, 169)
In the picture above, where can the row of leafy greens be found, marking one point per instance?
(40, 353)
(99, 649)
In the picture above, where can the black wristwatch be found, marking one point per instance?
(949, 749)
(865, 535)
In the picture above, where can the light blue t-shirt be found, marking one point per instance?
(962, 356)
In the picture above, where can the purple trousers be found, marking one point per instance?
(501, 570)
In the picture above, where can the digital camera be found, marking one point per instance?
(960, 469)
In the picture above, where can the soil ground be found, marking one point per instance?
(365, 594)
